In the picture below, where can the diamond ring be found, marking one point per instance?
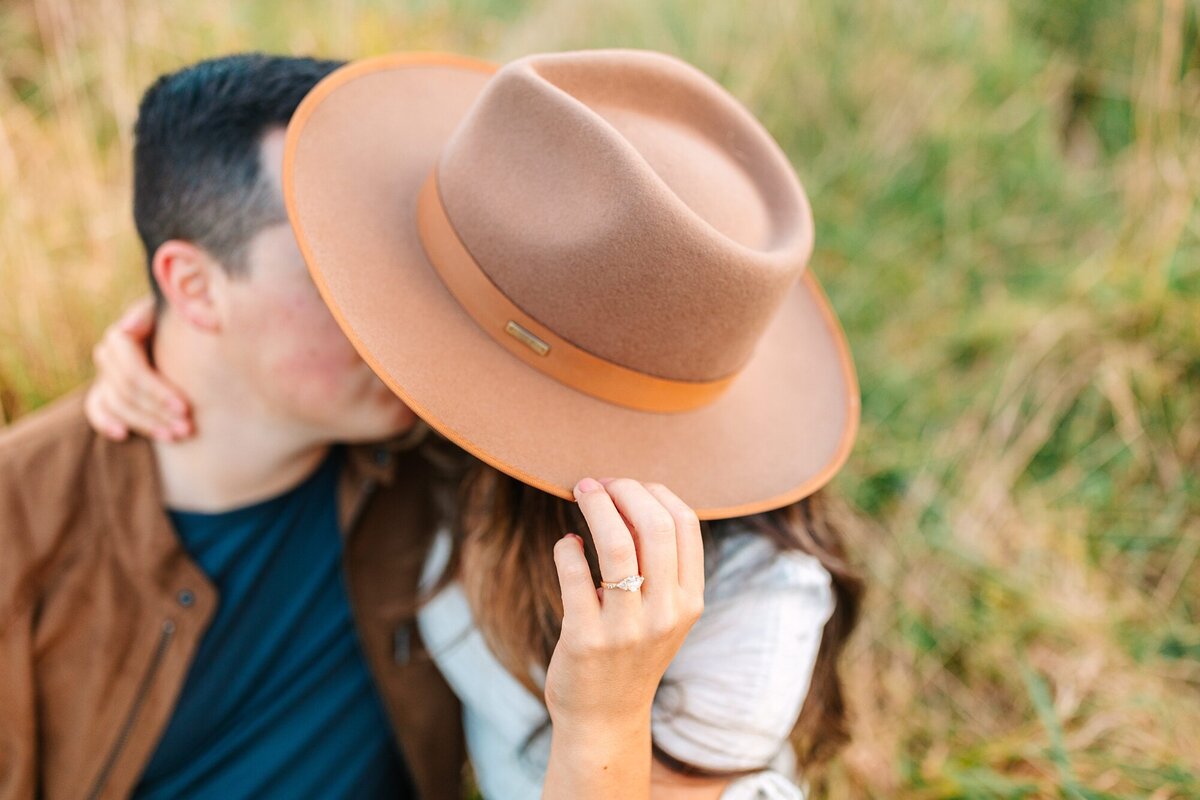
(631, 584)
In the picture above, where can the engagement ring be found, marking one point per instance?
(630, 584)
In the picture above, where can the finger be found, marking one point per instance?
(138, 320)
(689, 543)
(149, 413)
(111, 383)
(100, 418)
(614, 543)
(135, 418)
(654, 532)
(140, 384)
(575, 580)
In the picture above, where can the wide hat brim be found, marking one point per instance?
(358, 151)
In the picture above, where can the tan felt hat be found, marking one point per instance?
(579, 264)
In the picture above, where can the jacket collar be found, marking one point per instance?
(368, 466)
(377, 461)
(132, 496)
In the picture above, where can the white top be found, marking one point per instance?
(728, 701)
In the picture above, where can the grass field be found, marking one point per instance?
(1006, 205)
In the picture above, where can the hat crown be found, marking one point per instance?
(628, 203)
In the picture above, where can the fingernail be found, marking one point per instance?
(575, 536)
(605, 481)
(586, 485)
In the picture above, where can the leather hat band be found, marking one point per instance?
(534, 343)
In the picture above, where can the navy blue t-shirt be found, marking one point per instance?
(278, 701)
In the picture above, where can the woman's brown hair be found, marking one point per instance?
(504, 538)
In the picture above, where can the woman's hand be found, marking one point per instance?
(615, 645)
(128, 394)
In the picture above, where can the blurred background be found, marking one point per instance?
(1005, 195)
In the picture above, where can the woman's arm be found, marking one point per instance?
(616, 644)
(735, 688)
(590, 763)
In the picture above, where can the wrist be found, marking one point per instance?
(589, 713)
(597, 728)
(600, 757)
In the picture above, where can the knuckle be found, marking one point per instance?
(586, 643)
(660, 523)
(625, 637)
(572, 571)
(663, 626)
(692, 608)
(621, 550)
(687, 516)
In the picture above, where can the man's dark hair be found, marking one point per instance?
(196, 167)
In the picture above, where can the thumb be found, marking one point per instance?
(575, 579)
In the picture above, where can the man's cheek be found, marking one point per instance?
(299, 347)
(324, 373)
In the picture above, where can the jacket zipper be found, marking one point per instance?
(164, 638)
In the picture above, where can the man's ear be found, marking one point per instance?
(191, 281)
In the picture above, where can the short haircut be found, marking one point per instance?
(196, 165)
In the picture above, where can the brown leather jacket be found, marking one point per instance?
(101, 610)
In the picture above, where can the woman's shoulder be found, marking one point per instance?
(742, 561)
